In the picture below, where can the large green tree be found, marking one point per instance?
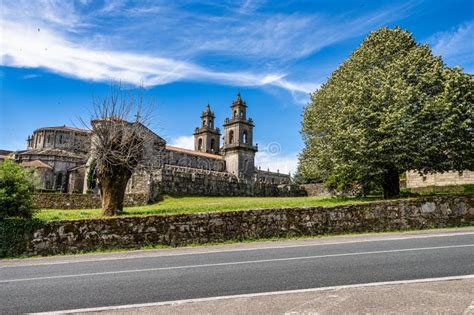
(391, 107)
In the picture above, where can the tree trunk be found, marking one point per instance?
(391, 183)
(113, 191)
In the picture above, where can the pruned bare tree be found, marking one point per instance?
(119, 138)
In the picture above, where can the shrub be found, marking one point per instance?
(17, 185)
(14, 233)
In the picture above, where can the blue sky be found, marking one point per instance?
(57, 55)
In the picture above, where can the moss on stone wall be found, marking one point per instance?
(16, 235)
(177, 230)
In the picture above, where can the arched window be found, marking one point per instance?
(244, 137)
(200, 144)
(231, 136)
(61, 139)
(235, 113)
(213, 145)
(241, 114)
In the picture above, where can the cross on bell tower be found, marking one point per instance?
(206, 137)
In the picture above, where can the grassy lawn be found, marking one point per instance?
(191, 204)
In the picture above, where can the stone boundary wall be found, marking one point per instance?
(316, 190)
(81, 201)
(177, 230)
(415, 180)
(177, 180)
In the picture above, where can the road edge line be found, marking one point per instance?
(249, 295)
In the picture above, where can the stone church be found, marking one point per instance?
(61, 157)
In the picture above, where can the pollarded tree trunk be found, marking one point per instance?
(113, 190)
(391, 183)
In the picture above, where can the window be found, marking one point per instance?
(61, 139)
(244, 137)
(213, 144)
(231, 136)
(200, 144)
(49, 139)
(235, 113)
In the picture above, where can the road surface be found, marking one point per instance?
(65, 283)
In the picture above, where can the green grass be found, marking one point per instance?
(191, 204)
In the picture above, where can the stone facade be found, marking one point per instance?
(5, 154)
(207, 136)
(239, 151)
(210, 170)
(415, 180)
(181, 180)
(194, 159)
(177, 230)
(176, 180)
(62, 157)
(57, 154)
(272, 177)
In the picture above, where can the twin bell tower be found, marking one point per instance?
(238, 149)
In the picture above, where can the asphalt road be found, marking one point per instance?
(49, 285)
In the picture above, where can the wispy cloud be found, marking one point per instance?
(30, 76)
(154, 43)
(456, 46)
(29, 47)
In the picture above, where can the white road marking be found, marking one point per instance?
(250, 295)
(235, 263)
(160, 253)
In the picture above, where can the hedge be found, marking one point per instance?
(14, 235)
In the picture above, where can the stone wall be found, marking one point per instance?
(272, 177)
(316, 190)
(415, 180)
(175, 180)
(177, 230)
(194, 159)
(81, 201)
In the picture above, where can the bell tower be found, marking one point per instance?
(239, 151)
(207, 137)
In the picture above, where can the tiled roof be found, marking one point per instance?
(53, 152)
(36, 164)
(191, 152)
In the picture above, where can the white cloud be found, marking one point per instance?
(456, 46)
(30, 76)
(27, 47)
(74, 40)
(186, 142)
(270, 157)
(284, 163)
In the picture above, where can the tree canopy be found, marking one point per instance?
(390, 107)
